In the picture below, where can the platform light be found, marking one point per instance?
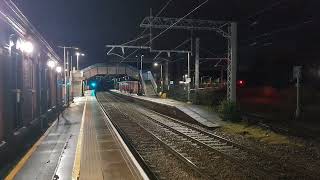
(79, 54)
(51, 64)
(11, 43)
(155, 64)
(59, 69)
(25, 46)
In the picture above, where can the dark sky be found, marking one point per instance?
(264, 28)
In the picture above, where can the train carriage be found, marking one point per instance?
(29, 92)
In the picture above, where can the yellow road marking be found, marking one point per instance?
(25, 158)
(77, 159)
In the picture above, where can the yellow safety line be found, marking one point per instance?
(77, 159)
(25, 158)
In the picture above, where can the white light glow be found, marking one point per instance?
(51, 64)
(155, 64)
(59, 69)
(11, 44)
(79, 54)
(25, 46)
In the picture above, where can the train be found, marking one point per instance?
(131, 87)
(31, 85)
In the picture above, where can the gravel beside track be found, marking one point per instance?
(201, 154)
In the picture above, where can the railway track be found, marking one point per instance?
(190, 143)
(150, 147)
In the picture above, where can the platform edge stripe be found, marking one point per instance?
(27, 156)
(135, 162)
(77, 159)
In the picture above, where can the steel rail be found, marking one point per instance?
(185, 160)
(229, 143)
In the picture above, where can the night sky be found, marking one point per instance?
(281, 32)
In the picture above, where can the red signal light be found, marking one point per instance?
(241, 83)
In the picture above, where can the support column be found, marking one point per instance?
(166, 76)
(189, 77)
(65, 75)
(234, 55)
(197, 64)
(68, 79)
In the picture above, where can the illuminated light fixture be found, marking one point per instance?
(24, 46)
(51, 64)
(59, 69)
(155, 64)
(11, 43)
(27, 47)
(19, 44)
(79, 54)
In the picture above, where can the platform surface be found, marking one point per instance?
(197, 112)
(56, 151)
(100, 155)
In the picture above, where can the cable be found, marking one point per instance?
(280, 30)
(162, 32)
(141, 37)
(162, 9)
(184, 42)
(141, 34)
(208, 51)
(267, 8)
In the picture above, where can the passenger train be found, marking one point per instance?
(30, 81)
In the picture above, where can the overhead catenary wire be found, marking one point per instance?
(266, 34)
(162, 32)
(158, 14)
(268, 8)
(136, 39)
(141, 34)
(181, 44)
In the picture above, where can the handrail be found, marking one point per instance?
(142, 82)
(154, 84)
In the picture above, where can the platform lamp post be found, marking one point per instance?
(188, 80)
(156, 64)
(52, 64)
(66, 70)
(141, 67)
(141, 62)
(58, 105)
(78, 54)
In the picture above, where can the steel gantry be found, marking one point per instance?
(223, 28)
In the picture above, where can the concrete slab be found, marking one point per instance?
(102, 154)
(54, 153)
(196, 112)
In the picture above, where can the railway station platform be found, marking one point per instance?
(82, 144)
(197, 113)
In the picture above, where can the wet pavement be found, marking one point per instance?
(83, 145)
(55, 154)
